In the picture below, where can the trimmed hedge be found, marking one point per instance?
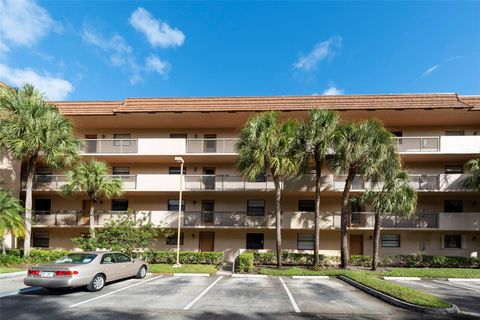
(409, 261)
(245, 262)
(186, 257)
(15, 257)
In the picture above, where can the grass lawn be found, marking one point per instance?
(397, 291)
(185, 268)
(428, 273)
(8, 270)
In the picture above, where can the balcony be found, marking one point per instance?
(226, 183)
(55, 182)
(463, 221)
(218, 145)
(418, 144)
(439, 144)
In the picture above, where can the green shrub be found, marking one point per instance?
(15, 257)
(245, 262)
(9, 260)
(361, 261)
(45, 256)
(186, 257)
(292, 258)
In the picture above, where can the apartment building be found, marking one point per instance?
(139, 138)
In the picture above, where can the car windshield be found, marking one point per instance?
(81, 258)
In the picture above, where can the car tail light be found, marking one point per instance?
(65, 273)
(33, 272)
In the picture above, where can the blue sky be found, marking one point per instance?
(105, 50)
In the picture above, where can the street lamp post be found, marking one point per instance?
(179, 160)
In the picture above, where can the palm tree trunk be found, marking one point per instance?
(318, 185)
(376, 241)
(4, 246)
(344, 220)
(92, 218)
(28, 205)
(278, 222)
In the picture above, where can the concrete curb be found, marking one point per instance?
(399, 303)
(463, 279)
(191, 275)
(402, 278)
(310, 277)
(239, 275)
(13, 274)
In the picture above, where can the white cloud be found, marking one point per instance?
(332, 91)
(321, 51)
(430, 70)
(120, 53)
(154, 63)
(24, 23)
(158, 33)
(55, 88)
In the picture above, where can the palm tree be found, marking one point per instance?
(91, 177)
(267, 145)
(316, 138)
(396, 195)
(364, 148)
(473, 181)
(11, 219)
(30, 129)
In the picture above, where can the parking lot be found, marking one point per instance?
(184, 297)
(466, 295)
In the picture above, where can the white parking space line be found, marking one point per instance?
(294, 304)
(188, 306)
(8, 294)
(110, 293)
(456, 285)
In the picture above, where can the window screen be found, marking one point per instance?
(255, 207)
(391, 240)
(305, 241)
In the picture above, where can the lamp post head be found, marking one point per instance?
(179, 160)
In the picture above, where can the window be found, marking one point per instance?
(120, 257)
(121, 171)
(261, 177)
(178, 135)
(391, 240)
(452, 169)
(44, 174)
(41, 239)
(119, 205)
(255, 240)
(452, 241)
(172, 239)
(398, 134)
(176, 170)
(173, 205)
(306, 205)
(121, 139)
(255, 207)
(210, 143)
(454, 133)
(108, 258)
(305, 241)
(43, 204)
(453, 206)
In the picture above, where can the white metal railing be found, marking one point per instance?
(94, 146)
(214, 145)
(55, 182)
(226, 183)
(418, 144)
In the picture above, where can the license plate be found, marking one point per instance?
(47, 274)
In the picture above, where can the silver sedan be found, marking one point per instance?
(91, 269)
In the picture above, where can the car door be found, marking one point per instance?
(125, 264)
(109, 266)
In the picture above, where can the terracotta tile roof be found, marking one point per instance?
(280, 103)
(473, 101)
(78, 108)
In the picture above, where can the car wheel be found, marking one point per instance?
(97, 283)
(142, 272)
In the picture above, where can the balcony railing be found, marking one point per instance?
(226, 183)
(217, 145)
(425, 182)
(55, 182)
(290, 220)
(418, 144)
(109, 146)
